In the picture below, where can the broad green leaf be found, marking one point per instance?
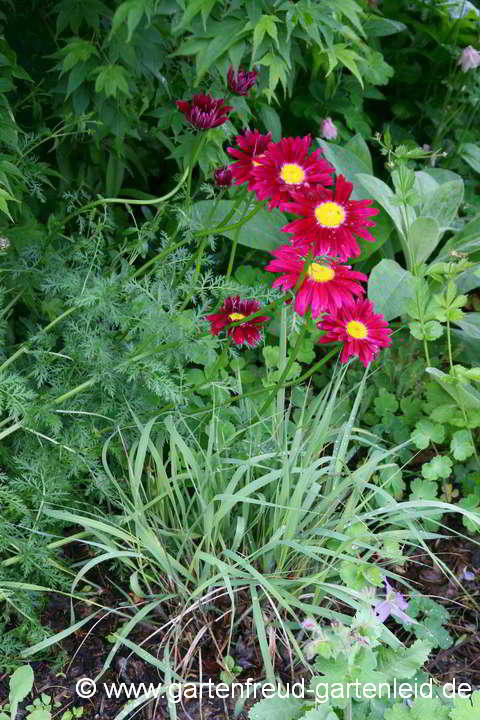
(271, 120)
(423, 490)
(382, 231)
(471, 154)
(425, 184)
(443, 203)
(263, 231)
(21, 683)
(288, 708)
(422, 709)
(352, 12)
(320, 712)
(381, 27)
(77, 51)
(359, 147)
(390, 287)
(132, 11)
(193, 8)
(349, 58)
(192, 46)
(463, 393)
(236, 53)
(465, 241)
(468, 280)
(430, 330)
(278, 71)
(347, 162)
(470, 324)
(406, 662)
(423, 238)
(461, 445)
(217, 47)
(426, 432)
(266, 25)
(115, 174)
(112, 79)
(385, 197)
(439, 467)
(386, 402)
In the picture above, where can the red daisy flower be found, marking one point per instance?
(240, 81)
(233, 310)
(204, 111)
(330, 220)
(326, 285)
(252, 145)
(223, 177)
(286, 167)
(362, 331)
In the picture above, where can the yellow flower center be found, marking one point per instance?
(292, 174)
(357, 330)
(236, 316)
(330, 214)
(320, 273)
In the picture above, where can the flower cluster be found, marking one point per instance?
(323, 234)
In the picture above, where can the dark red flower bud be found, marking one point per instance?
(240, 81)
(223, 176)
(204, 111)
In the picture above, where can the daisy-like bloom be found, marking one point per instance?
(329, 220)
(240, 81)
(328, 129)
(285, 167)
(223, 177)
(233, 310)
(252, 146)
(362, 331)
(326, 285)
(204, 111)
(469, 59)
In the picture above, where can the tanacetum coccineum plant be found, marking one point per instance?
(324, 237)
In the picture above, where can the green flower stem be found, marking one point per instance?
(223, 228)
(235, 238)
(196, 150)
(200, 234)
(74, 391)
(160, 256)
(198, 269)
(23, 348)
(286, 370)
(51, 546)
(126, 201)
(449, 341)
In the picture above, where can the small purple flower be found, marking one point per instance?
(469, 59)
(240, 81)
(328, 129)
(468, 575)
(309, 624)
(394, 604)
(204, 111)
(223, 177)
